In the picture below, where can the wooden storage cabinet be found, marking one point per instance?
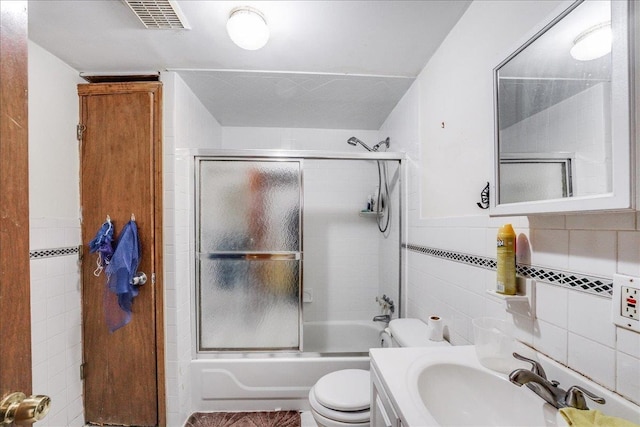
(120, 134)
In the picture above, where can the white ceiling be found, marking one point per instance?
(328, 64)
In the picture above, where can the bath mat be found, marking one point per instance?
(244, 419)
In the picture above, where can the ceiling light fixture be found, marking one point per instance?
(247, 28)
(592, 43)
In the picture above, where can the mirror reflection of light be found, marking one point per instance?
(593, 43)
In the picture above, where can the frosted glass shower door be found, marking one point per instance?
(248, 254)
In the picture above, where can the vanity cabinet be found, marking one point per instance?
(383, 413)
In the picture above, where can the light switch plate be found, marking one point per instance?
(624, 305)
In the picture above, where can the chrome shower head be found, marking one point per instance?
(355, 141)
(381, 143)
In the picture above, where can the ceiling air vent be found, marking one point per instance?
(159, 14)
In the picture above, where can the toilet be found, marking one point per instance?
(342, 398)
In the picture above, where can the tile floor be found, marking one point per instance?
(307, 419)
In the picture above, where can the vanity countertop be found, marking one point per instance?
(399, 369)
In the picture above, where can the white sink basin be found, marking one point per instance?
(456, 394)
(447, 386)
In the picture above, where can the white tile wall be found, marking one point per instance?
(628, 363)
(572, 327)
(56, 337)
(389, 241)
(551, 340)
(590, 356)
(550, 303)
(54, 211)
(590, 317)
(592, 251)
(341, 248)
(549, 248)
(187, 124)
(629, 252)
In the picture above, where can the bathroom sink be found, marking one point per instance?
(465, 395)
(447, 386)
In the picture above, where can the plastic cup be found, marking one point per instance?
(494, 344)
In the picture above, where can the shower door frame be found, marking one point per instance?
(247, 255)
(195, 155)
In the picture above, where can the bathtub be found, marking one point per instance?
(267, 381)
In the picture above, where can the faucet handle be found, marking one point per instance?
(536, 367)
(575, 397)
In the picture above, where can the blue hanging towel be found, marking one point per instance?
(103, 245)
(120, 272)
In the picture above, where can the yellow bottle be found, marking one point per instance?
(506, 246)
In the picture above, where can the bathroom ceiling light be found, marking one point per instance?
(247, 28)
(592, 43)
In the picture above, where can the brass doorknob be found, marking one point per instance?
(22, 410)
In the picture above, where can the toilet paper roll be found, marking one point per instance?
(435, 328)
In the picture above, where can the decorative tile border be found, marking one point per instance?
(55, 252)
(591, 284)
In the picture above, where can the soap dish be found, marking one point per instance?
(524, 302)
(496, 294)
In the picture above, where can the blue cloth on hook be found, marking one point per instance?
(103, 243)
(120, 272)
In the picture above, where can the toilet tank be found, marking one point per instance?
(412, 333)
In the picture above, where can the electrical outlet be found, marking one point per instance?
(629, 307)
(626, 291)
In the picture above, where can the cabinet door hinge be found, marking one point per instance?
(80, 128)
(82, 368)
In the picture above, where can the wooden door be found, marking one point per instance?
(15, 314)
(121, 174)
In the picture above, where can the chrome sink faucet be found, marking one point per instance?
(537, 381)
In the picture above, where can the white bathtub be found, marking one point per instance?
(264, 381)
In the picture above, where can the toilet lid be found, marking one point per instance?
(345, 390)
(351, 418)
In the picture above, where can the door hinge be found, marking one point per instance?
(82, 368)
(80, 128)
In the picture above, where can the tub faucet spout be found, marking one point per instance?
(382, 318)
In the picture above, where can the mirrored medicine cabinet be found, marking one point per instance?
(563, 134)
